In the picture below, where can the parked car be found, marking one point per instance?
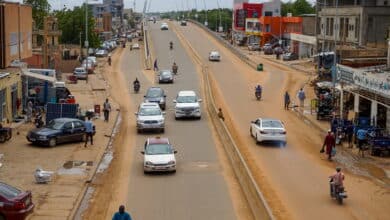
(157, 95)
(267, 48)
(187, 105)
(278, 50)
(266, 129)
(150, 117)
(165, 76)
(80, 73)
(214, 56)
(183, 23)
(101, 53)
(94, 60)
(59, 130)
(164, 26)
(15, 204)
(290, 56)
(135, 46)
(254, 46)
(88, 65)
(159, 155)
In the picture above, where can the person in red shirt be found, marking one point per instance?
(329, 143)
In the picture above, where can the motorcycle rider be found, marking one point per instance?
(337, 180)
(136, 84)
(258, 90)
(174, 68)
(171, 45)
(109, 60)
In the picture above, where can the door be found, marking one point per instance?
(79, 130)
(3, 109)
(67, 133)
(14, 100)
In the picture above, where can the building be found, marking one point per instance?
(10, 95)
(114, 8)
(306, 41)
(357, 28)
(15, 32)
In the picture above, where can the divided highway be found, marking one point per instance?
(198, 189)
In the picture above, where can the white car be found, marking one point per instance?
(164, 26)
(101, 53)
(187, 105)
(266, 129)
(214, 56)
(135, 46)
(94, 60)
(159, 155)
(150, 117)
(80, 73)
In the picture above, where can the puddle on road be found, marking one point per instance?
(105, 163)
(75, 167)
(84, 203)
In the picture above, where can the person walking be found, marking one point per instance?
(329, 143)
(286, 100)
(29, 110)
(155, 66)
(121, 214)
(106, 110)
(349, 132)
(301, 96)
(88, 131)
(361, 136)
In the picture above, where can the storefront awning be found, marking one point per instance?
(38, 76)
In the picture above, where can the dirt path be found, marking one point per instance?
(111, 186)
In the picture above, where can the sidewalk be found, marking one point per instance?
(73, 164)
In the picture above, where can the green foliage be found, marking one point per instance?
(297, 8)
(72, 23)
(40, 9)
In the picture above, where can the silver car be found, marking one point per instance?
(165, 76)
(80, 73)
(150, 117)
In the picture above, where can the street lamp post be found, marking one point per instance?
(86, 43)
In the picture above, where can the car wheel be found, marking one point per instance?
(162, 130)
(146, 172)
(139, 131)
(176, 118)
(200, 117)
(2, 138)
(173, 171)
(52, 142)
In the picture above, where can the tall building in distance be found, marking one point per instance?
(113, 7)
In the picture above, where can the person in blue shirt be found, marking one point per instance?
(88, 131)
(121, 214)
(361, 136)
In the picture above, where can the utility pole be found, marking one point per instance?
(206, 23)
(86, 44)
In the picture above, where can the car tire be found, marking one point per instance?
(173, 171)
(162, 130)
(146, 172)
(200, 117)
(139, 131)
(176, 118)
(52, 142)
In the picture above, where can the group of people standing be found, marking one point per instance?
(300, 95)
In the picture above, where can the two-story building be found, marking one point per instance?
(15, 45)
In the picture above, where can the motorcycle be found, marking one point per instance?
(337, 192)
(137, 86)
(109, 61)
(171, 46)
(174, 69)
(38, 121)
(258, 95)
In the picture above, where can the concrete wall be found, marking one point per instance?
(308, 25)
(17, 32)
(13, 79)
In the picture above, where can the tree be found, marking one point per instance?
(40, 9)
(297, 8)
(72, 23)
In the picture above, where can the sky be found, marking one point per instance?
(157, 5)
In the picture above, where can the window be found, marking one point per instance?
(78, 124)
(346, 27)
(341, 31)
(267, 28)
(357, 25)
(332, 26)
(68, 125)
(327, 26)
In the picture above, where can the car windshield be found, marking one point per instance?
(149, 111)
(166, 73)
(54, 124)
(156, 149)
(153, 93)
(271, 124)
(186, 99)
(8, 191)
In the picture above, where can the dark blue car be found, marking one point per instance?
(59, 130)
(156, 95)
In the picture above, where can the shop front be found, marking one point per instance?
(10, 95)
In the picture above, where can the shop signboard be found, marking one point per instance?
(345, 74)
(376, 82)
(252, 26)
(240, 18)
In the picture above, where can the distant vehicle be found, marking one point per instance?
(214, 56)
(15, 204)
(59, 130)
(278, 50)
(290, 56)
(254, 46)
(165, 76)
(156, 95)
(80, 73)
(159, 155)
(135, 46)
(88, 65)
(183, 23)
(150, 117)
(164, 26)
(94, 60)
(267, 48)
(265, 129)
(101, 53)
(187, 105)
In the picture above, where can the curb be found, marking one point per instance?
(83, 193)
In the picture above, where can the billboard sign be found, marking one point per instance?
(252, 26)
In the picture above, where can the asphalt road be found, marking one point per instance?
(198, 189)
(297, 173)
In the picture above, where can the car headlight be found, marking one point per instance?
(148, 163)
(171, 162)
(160, 121)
